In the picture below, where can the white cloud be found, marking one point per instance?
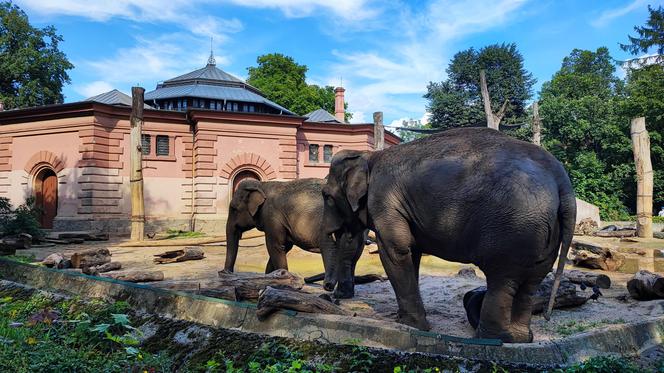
(93, 88)
(354, 10)
(609, 15)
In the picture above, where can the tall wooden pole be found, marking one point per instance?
(136, 172)
(379, 131)
(537, 125)
(644, 177)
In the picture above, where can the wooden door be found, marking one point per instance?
(46, 189)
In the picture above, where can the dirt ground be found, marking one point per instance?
(442, 291)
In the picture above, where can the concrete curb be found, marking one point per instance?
(625, 339)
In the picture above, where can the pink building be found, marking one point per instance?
(204, 132)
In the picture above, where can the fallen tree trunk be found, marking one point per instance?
(188, 253)
(90, 258)
(272, 300)
(54, 260)
(359, 280)
(589, 279)
(646, 285)
(137, 276)
(593, 256)
(22, 241)
(112, 266)
(248, 285)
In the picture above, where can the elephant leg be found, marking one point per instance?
(416, 256)
(395, 255)
(269, 268)
(496, 313)
(522, 311)
(277, 252)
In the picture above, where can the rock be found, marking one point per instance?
(586, 227)
(54, 260)
(467, 272)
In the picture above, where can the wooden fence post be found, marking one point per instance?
(136, 160)
(379, 131)
(644, 177)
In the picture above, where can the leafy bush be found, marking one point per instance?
(24, 219)
(602, 364)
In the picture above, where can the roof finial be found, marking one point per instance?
(211, 60)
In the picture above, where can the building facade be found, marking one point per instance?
(203, 133)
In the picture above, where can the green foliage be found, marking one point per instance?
(22, 220)
(585, 129)
(457, 101)
(32, 67)
(407, 135)
(602, 364)
(649, 36)
(177, 233)
(283, 81)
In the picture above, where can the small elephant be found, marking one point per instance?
(290, 213)
(470, 195)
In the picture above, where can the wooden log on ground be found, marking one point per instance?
(112, 266)
(90, 258)
(273, 299)
(54, 260)
(248, 285)
(137, 276)
(188, 253)
(589, 278)
(646, 285)
(593, 256)
(21, 241)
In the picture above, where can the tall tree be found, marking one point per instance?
(649, 36)
(584, 129)
(283, 81)
(457, 101)
(33, 70)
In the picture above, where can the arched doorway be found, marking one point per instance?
(46, 196)
(244, 175)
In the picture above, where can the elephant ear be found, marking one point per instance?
(357, 183)
(255, 199)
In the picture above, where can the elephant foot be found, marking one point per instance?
(521, 333)
(514, 335)
(418, 322)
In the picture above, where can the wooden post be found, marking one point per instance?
(644, 177)
(537, 125)
(492, 120)
(379, 131)
(136, 160)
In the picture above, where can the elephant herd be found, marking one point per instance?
(470, 195)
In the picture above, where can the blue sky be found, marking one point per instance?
(386, 52)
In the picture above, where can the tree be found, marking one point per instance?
(585, 129)
(33, 70)
(649, 36)
(283, 81)
(457, 101)
(415, 124)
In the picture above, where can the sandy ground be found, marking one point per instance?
(442, 291)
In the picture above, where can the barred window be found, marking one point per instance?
(313, 153)
(145, 144)
(327, 153)
(162, 145)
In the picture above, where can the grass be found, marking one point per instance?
(21, 258)
(176, 233)
(573, 327)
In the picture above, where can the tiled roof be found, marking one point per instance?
(209, 72)
(321, 116)
(114, 97)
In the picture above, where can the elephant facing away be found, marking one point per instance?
(469, 195)
(289, 213)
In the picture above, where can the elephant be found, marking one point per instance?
(290, 213)
(469, 195)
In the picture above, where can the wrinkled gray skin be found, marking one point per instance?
(468, 195)
(290, 213)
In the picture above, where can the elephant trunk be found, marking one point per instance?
(328, 252)
(233, 235)
(350, 246)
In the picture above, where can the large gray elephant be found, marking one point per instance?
(469, 195)
(290, 213)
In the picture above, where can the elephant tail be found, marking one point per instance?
(567, 219)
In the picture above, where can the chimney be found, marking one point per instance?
(339, 111)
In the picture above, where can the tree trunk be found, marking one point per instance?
(646, 286)
(272, 300)
(248, 285)
(592, 256)
(136, 160)
(589, 279)
(492, 120)
(136, 276)
(188, 253)
(112, 266)
(379, 131)
(644, 177)
(537, 125)
(90, 258)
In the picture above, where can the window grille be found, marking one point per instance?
(327, 153)
(162, 145)
(313, 153)
(145, 144)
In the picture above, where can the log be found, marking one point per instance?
(54, 260)
(21, 241)
(188, 253)
(644, 177)
(589, 279)
(90, 258)
(248, 285)
(112, 266)
(136, 276)
(565, 297)
(620, 233)
(593, 256)
(209, 288)
(272, 300)
(646, 285)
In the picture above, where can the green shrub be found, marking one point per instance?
(24, 219)
(602, 364)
